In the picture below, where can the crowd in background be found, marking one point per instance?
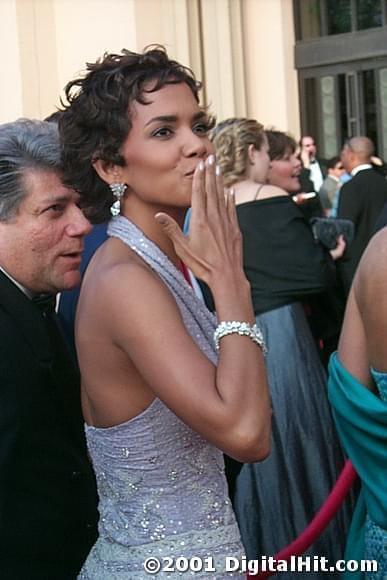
(305, 224)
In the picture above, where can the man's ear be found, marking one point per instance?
(108, 171)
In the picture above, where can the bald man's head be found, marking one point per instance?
(356, 151)
(362, 146)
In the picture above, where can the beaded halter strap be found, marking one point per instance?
(199, 321)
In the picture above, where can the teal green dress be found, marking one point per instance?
(361, 419)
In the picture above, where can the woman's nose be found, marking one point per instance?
(197, 146)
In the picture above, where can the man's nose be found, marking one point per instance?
(78, 225)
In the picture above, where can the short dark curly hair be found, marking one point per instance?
(96, 119)
(280, 144)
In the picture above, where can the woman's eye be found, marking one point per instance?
(162, 132)
(201, 128)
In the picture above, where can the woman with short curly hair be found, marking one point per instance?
(160, 406)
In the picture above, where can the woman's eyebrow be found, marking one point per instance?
(163, 119)
(174, 118)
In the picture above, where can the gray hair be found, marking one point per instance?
(24, 144)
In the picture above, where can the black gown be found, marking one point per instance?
(275, 499)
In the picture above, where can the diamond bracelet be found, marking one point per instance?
(243, 329)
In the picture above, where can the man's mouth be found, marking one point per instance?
(75, 255)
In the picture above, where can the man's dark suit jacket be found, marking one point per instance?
(48, 500)
(361, 200)
(307, 184)
(69, 298)
(311, 208)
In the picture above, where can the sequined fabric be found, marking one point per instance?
(375, 537)
(199, 321)
(375, 540)
(361, 419)
(162, 487)
(381, 383)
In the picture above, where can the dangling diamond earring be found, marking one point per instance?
(118, 190)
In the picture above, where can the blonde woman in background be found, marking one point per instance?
(276, 498)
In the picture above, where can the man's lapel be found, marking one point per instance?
(26, 317)
(51, 356)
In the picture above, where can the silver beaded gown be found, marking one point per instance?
(375, 535)
(162, 488)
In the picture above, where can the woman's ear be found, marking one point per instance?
(108, 171)
(251, 151)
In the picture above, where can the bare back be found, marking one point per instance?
(363, 338)
(112, 389)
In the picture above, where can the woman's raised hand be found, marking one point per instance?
(214, 243)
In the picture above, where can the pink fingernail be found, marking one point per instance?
(211, 159)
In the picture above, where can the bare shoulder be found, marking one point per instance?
(121, 292)
(370, 283)
(131, 280)
(369, 291)
(268, 191)
(377, 247)
(247, 191)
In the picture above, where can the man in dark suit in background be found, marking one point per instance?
(48, 501)
(314, 170)
(361, 200)
(312, 174)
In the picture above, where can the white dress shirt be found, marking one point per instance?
(316, 175)
(360, 168)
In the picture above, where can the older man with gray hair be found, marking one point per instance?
(48, 515)
(361, 200)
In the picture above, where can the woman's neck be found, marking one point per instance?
(145, 220)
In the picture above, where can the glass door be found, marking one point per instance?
(343, 104)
